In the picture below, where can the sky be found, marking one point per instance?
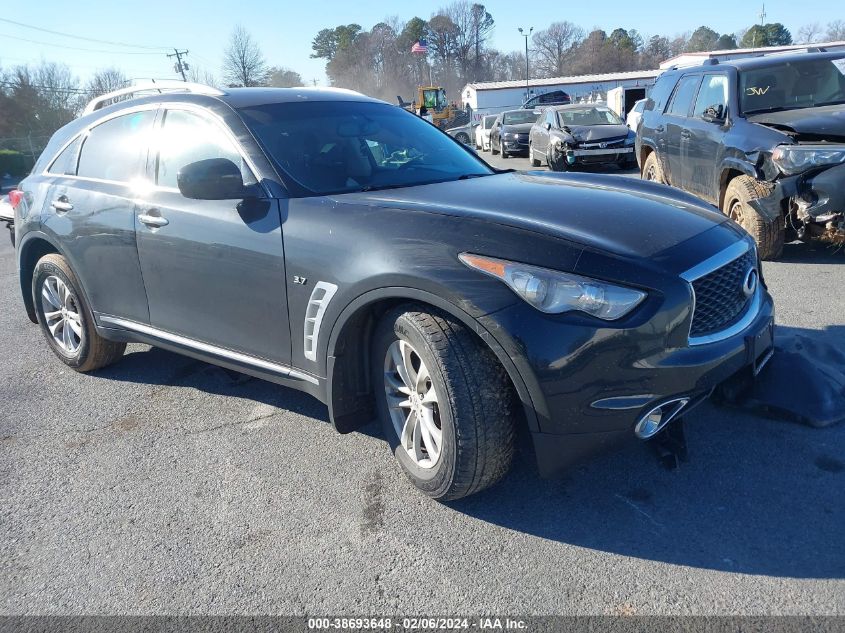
(284, 29)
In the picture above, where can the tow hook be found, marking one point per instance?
(670, 445)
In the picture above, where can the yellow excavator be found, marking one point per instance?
(443, 115)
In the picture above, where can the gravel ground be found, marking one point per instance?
(165, 485)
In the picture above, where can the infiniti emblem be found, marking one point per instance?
(749, 285)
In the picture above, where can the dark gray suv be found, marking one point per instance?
(762, 138)
(342, 246)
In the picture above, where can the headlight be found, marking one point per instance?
(555, 292)
(793, 159)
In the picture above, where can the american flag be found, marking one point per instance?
(421, 46)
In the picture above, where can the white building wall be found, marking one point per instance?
(489, 101)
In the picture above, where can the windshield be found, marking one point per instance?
(519, 116)
(435, 99)
(793, 84)
(488, 121)
(344, 146)
(588, 116)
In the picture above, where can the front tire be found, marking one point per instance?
(445, 402)
(462, 138)
(66, 319)
(767, 233)
(12, 236)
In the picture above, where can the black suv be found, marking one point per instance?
(762, 138)
(345, 247)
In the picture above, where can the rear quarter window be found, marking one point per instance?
(65, 162)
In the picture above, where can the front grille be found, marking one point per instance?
(607, 144)
(719, 299)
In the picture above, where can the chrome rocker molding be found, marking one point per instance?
(722, 258)
(206, 348)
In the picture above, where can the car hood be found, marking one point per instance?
(823, 122)
(609, 213)
(593, 133)
(519, 128)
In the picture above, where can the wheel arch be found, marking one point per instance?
(33, 247)
(349, 394)
(730, 170)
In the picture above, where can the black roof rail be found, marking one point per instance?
(710, 61)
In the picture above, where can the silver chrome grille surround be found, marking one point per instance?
(720, 307)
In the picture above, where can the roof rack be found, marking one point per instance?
(168, 85)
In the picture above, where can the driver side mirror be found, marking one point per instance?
(714, 114)
(547, 125)
(212, 179)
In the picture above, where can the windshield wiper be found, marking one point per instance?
(468, 176)
(366, 188)
(827, 103)
(772, 109)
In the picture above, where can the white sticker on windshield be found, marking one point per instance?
(840, 65)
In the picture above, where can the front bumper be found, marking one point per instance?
(589, 384)
(515, 145)
(578, 156)
(814, 198)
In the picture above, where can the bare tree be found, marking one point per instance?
(201, 76)
(835, 31)
(809, 33)
(554, 48)
(106, 80)
(243, 61)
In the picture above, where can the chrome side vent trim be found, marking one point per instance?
(317, 304)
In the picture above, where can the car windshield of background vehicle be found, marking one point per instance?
(589, 116)
(342, 147)
(792, 85)
(518, 117)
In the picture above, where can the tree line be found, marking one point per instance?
(379, 61)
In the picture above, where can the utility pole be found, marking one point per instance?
(762, 19)
(180, 66)
(526, 35)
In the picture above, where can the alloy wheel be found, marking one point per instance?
(413, 404)
(61, 314)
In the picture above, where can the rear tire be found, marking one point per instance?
(68, 326)
(462, 138)
(12, 236)
(767, 233)
(534, 161)
(651, 169)
(461, 389)
(493, 149)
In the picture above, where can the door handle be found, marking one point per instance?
(62, 204)
(660, 129)
(153, 221)
(686, 134)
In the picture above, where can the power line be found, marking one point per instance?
(81, 37)
(76, 48)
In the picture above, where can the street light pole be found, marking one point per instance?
(525, 35)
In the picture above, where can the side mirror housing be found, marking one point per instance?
(547, 125)
(212, 179)
(714, 114)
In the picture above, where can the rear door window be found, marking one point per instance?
(681, 100)
(117, 149)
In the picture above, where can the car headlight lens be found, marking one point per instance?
(554, 292)
(793, 159)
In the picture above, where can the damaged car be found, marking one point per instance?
(762, 138)
(585, 135)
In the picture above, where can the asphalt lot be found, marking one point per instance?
(165, 485)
